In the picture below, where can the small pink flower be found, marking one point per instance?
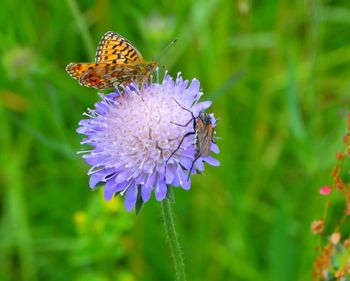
(325, 190)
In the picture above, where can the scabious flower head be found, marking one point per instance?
(133, 132)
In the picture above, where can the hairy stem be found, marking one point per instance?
(171, 237)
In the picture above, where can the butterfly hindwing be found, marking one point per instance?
(108, 76)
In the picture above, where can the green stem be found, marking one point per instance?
(171, 237)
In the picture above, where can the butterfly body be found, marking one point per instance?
(117, 63)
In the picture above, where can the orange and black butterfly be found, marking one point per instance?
(118, 62)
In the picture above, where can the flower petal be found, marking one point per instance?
(214, 148)
(130, 197)
(325, 190)
(194, 87)
(94, 159)
(146, 191)
(186, 162)
(197, 108)
(111, 187)
(108, 190)
(199, 164)
(124, 175)
(169, 174)
(211, 161)
(160, 189)
(184, 179)
(97, 177)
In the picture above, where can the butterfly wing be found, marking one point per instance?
(115, 49)
(106, 76)
(76, 70)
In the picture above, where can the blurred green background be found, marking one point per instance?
(278, 73)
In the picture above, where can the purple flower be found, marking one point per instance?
(134, 132)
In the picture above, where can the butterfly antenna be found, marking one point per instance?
(166, 49)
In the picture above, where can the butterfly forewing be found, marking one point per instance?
(114, 48)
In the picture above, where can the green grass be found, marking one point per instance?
(279, 77)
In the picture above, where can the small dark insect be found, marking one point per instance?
(203, 131)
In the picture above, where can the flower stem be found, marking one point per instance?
(171, 236)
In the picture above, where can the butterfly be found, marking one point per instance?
(203, 135)
(117, 63)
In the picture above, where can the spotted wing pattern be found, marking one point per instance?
(76, 70)
(118, 62)
(107, 76)
(114, 48)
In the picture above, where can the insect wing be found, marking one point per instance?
(77, 70)
(115, 49)
(204, 134)
(108, 76)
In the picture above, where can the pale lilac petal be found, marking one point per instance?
(194, 87)
(197, 108)
(93, 160)
(170, 174)
(101, 108)
(121, 186)
(185, 181)
(122, 176)
(130, 197)
(213, 120)
(147, 188)
(108, 194)
(177, 180)
(160, 189)
(211, 161)
(111, 188)
(214, 148)
(140, 179)
(151, 179)
(189, 152)
(85, 127)
(199, 164)
(186, 162)
(95, 178)
(146, 192)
